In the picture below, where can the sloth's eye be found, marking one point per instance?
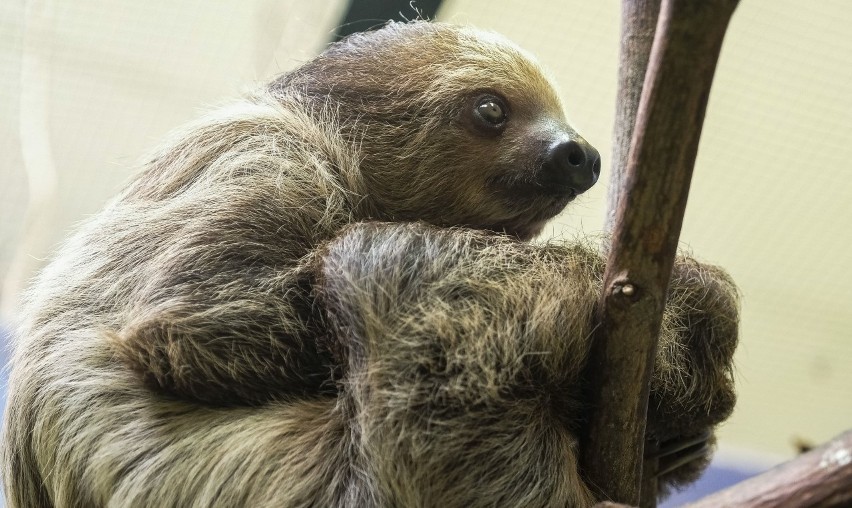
(491, 110)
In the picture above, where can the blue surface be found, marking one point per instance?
(717, 477)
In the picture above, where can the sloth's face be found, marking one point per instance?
(482, 136)
(529, 163)
(455, 126)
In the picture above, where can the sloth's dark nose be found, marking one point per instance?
(572, 165)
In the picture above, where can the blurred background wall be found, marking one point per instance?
(86, 88)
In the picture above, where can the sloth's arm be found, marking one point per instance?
(243, 339)
(464, 356)
(219, 310)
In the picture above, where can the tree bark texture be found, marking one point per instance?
(819, 478)
(644, 241)
(638, 25)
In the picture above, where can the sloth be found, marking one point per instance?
(324, 295)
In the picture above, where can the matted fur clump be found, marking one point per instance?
(321, 296)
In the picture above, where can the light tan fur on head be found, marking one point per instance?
(234, 330)
(404, 97)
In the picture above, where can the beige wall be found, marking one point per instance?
(86, 87)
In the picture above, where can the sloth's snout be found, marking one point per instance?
(572, 165)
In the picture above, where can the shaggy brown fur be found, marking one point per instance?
(233, 331)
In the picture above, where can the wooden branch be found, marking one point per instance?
(648, 221)
(822, 477)
(638, 25)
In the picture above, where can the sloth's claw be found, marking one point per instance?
(679, 452)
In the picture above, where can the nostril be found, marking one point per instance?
(576, 157)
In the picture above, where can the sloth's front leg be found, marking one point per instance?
(462, 354)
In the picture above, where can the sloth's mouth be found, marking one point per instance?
(530, 206)
(545, 202)
(531, 214)
(535, 191)
(554, 189)
(548, 206)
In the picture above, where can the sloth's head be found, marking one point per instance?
(455, 126)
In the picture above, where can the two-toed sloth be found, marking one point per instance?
(321, 296)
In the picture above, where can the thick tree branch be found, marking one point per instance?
(638, 25)
(822, 477)
(647, 227)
